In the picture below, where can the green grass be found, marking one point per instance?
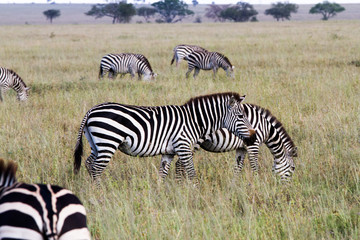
(304, 72)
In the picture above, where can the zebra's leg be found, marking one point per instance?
(99, 157)
(1, 99)
(253, 152)
(240, 157)
(215, 69)
(186, 159)
(189, 71)
(165, 165)
(196, 72)
(179, 171)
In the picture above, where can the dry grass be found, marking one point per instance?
(302, 71)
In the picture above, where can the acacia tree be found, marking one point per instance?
(327, 9)
(172, 11)
(146, 12)
(51, 14)
(241, 12)
(214, 10)
(282, 10)
(119, 12)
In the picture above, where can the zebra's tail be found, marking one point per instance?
(172, 60)
(7, 173)
(100, 72)
(79, 146)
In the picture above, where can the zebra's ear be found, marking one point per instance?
(242, 98)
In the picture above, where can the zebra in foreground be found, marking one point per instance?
(38, 211)
(124, 63)
(208, 61)
(9, 79)
(183, 50)
(268, 130)
(148, 131)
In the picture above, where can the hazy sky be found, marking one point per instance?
(187, 1)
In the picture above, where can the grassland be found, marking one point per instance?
(301, 71)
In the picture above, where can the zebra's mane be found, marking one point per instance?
(274, 122)
(225, 58)
(215, 95)
(192, 46)
(7, 173)
(14, 74)
(144, 59)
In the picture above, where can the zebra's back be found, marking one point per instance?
(183, 50)
(39, 211)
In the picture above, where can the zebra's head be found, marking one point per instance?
(230, 71)
(285, 167)
(236, 121)
(149, 76)
(24, 94)
(225, 64)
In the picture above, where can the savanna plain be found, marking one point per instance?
(306, 73)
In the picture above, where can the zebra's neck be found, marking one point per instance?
(16, 83)
(208, 112)
(275, 136)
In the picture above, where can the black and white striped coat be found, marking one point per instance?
(38, 211)
(208, 61)
(183, 50)
(268, 129)
(124, 63)
(9, 79)
(148, 131)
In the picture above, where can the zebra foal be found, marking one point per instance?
(158, 130)
(124, 63)
(269, 130)
(38, 211)
(183, 50)
(9, 79)
(208, 61)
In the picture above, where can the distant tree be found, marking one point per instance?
(172, 11)
(194, 2)
(214, 10)
(119, 12)
(327, 9)
(282, 10)
(51, 14)
(125, 12)
(241, 12)
(146, 12)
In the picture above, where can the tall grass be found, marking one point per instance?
(301, 71)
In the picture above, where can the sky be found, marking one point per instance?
(187, 1)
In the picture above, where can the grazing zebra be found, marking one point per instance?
(268, 130)
(124, 63)
(183, 50)
(38, 211)
(207, 61)
(148, 131)
(9, 79)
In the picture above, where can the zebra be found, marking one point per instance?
(124, 63)
(38, 211)
(207, 61)
(148, 131)
(268, 129)
(10, 79)
(183, 50)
